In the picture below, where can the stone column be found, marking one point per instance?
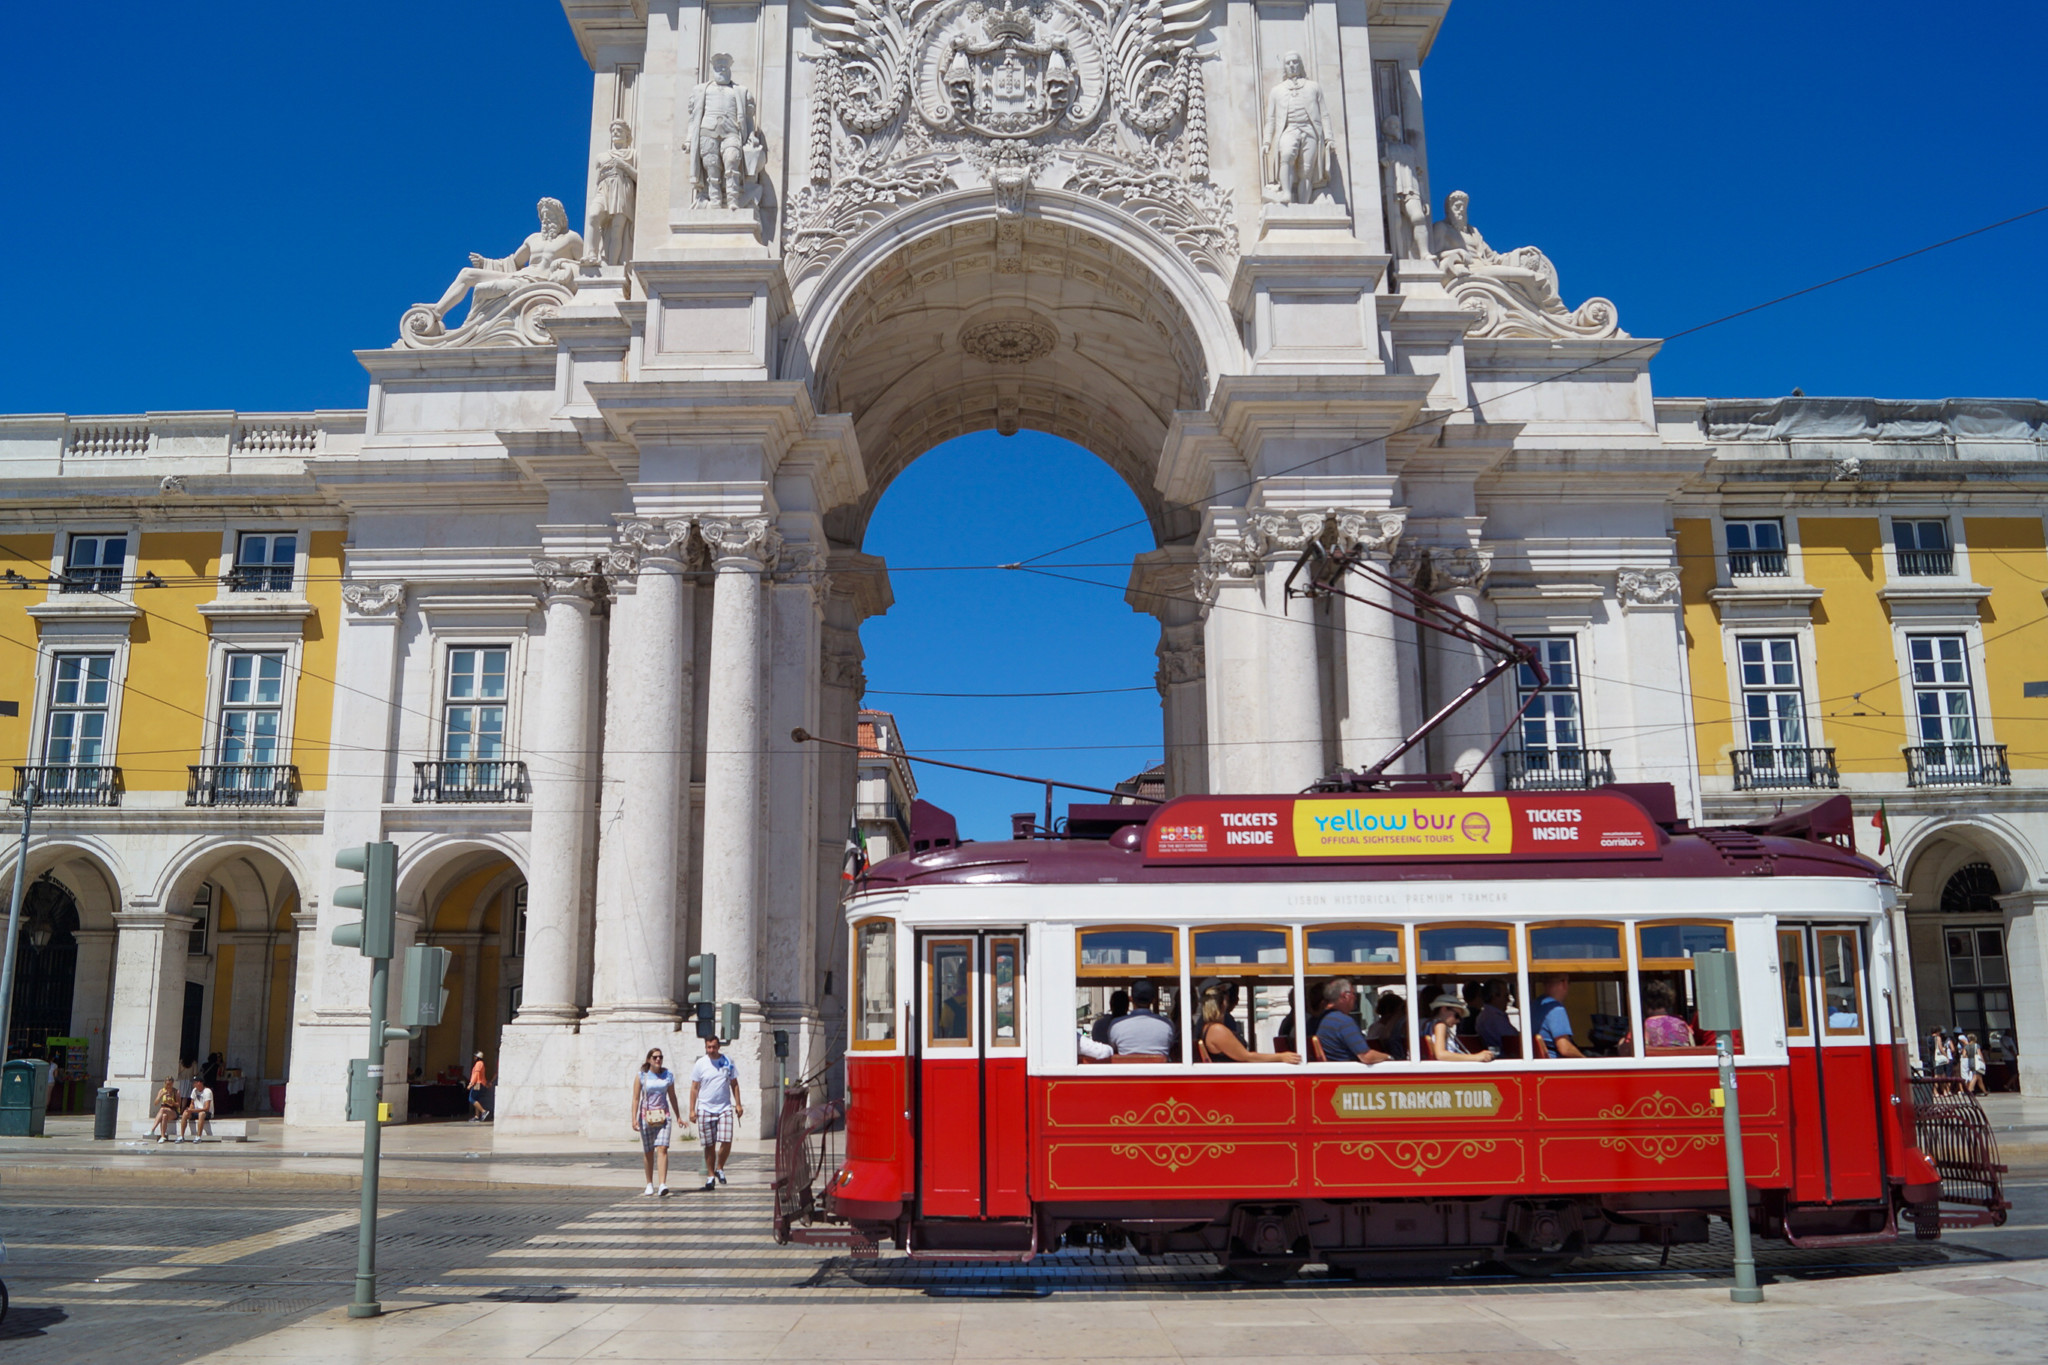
(1371, 722)
(1163, 584)
(2026, 957)
(743, 550)
(248, 1019)
(1233, 661)
(1294, 692)
(149, 1002)
(562, 808)
(646, 749)
(91, 984)
(1457, 576)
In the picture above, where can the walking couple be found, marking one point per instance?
(714, 1099)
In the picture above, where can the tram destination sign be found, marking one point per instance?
(1400, 826)
(1418, 1100)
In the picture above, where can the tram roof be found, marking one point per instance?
(1129, 844)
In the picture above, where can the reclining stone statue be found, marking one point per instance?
(511, 296)
(1515, 292)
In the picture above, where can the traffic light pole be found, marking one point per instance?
(366, 1305)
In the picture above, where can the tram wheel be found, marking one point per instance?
(1266, 1272)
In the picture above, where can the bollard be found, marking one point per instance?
(106, 1107)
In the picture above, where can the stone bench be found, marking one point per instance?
(220, 1130)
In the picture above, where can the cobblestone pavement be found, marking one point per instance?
(169, 1276)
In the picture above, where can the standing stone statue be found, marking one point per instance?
(611, 211)
(1408, 210)
(1297, 137)
(727, 151)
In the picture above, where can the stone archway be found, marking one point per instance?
(78, 886)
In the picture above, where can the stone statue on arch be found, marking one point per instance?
(510, 295)
(727, 150)
(1295, 142)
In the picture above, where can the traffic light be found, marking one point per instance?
(707, 1019)
(376, 895)
(425, 996)
(701, 986)
(729, 1020)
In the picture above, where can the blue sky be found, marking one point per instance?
(215, 206)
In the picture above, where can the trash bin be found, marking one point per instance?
(24, 1097)
(106, 1107)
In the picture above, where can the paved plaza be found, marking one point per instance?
(528, 1249)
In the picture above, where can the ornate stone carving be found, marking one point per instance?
(655, 537)
(727, 151)
(513, 295)
(171, 483)
(1407, 562)
(752, 538)
(373, 599)
(1184, 665)
(1223, 557)
(1286, 533)
(1514, 293)
(1407, 206)
(1295, 141)
(1009, 341)
(912, 97)
(1367, 530)
(844, 670)
(1848, 469)
(568, 577)
(1459, 568)
(611, 212)
(1646, 588)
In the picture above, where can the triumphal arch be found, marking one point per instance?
(1195, 237)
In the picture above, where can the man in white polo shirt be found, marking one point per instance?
(715, 1099)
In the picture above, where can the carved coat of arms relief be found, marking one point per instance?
(1101, 97)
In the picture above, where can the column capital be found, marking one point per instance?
(734, 539)
(1646, 588)
(572, 579)
(1459, 568)
(374, 600)
(1222, 558)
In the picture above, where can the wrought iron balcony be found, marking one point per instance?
(68, 784)
(1756, 563)
(260, 578)
(1758, 770)
(469, 781)
(1957, 765)
(888, 810)
(1926, 562)
(1557, 770)
(242, 784)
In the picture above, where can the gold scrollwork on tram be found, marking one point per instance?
(1174, 1156)
(1171, 1110)
(1421, 1157)
(1661, 1149)
(1658, 1105)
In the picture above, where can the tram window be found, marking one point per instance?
(1005, 956)
(1256, 951)
(1792, 980)
(1675, 943)
(1670, 1004)
(1841, 985)
(1576, 947)
(1472, 946)
(1117, 952)
(1355, 950)
(951, 983)
(874, 993)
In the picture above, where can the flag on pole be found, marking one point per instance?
(856, 853)
(1883, 825)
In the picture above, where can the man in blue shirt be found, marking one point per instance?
(1338, 1031)
(1553, 1021)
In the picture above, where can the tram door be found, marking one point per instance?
(1828, 1032)
(972, 1134)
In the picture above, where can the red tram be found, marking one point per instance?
(977, 1126)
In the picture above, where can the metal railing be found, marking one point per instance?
(242, 784)
(469, 781)
(1756, 563)
(260, 578)
(1957, 765)
(68, 784)
(1556, 770)
(89, 580)
(882, 810)
(1922, 562)
(1953, 1132)
(1779, 769)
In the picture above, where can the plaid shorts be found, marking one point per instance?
(715, 1125)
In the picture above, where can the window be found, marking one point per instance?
(1590, 954)
(80, 693)
(1115, 952)
(874, 984)
(1773, 703)
(1248, 951)
(1792, 979)
(202, 915)
(1941, 692)
(1670, 1001)
(94, 563)
(950, 982)
(1756, 549)
(1979, 988)
(264, 562)
(1923, 547)
(519, 920)
(1005, 964)
(475, 728)
(251, 711)
(1355, 950)
(1553, 746)
(1841, 981)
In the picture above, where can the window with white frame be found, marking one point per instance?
(1773, 701)
(81, 695)
(1922, 546)
(1756, 549)
(519, 920)
(1552, 740)
(473, 729)
(1941, 692)
(252, 709)
(93, 563)
(264, 562)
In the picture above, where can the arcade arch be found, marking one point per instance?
(1976, 963)
(64, 971)
(470, 898)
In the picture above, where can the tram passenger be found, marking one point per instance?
(1553, 1021)
(1661, 1025)
(1142, 1031)
(1119, 1006)
(1496, 1030)
(1448, 1012)
(1389, 1030)
(1218, 1035)
(1338, 1031)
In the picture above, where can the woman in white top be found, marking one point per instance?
(654, 1116)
